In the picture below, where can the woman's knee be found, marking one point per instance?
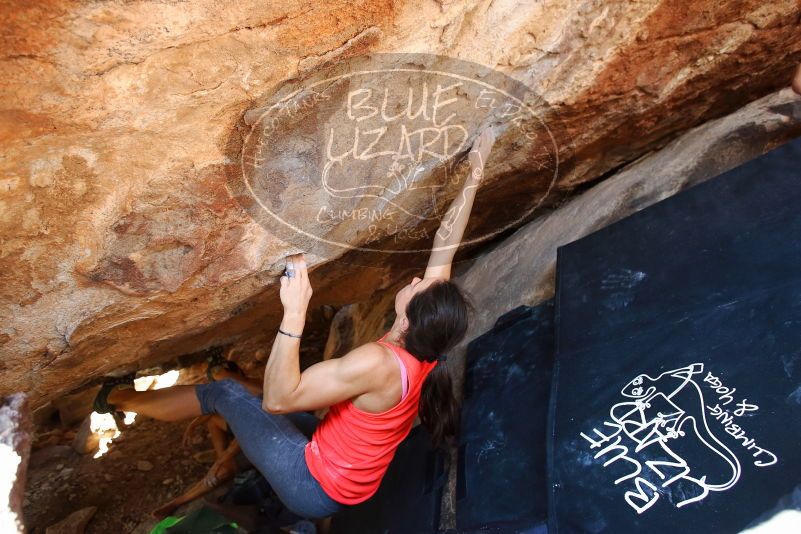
(214, 395)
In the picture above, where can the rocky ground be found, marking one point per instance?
(144, 467)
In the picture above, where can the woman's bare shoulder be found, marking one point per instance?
(366, 352)
(372, 355)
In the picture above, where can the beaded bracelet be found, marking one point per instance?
(288, 334)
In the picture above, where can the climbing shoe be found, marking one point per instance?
(216, 360)
(101, 403)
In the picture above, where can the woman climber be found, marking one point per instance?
(370, 410)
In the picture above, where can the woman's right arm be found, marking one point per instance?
(451, 229)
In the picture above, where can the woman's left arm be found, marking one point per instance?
(323, 384)
(451, 230)
(282, 372)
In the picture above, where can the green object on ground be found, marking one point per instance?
(203, 521)
(162, 526)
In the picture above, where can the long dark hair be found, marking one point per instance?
(438, 318)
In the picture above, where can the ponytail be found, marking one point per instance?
(438, 319)
(439, 410)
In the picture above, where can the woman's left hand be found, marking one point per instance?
(296, 291)
(479, 153)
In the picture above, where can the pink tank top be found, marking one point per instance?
(351, 449)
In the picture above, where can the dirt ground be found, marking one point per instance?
(61, 481)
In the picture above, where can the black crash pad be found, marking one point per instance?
(501, 480)
(677, 394)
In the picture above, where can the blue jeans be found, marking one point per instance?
(273, 443)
